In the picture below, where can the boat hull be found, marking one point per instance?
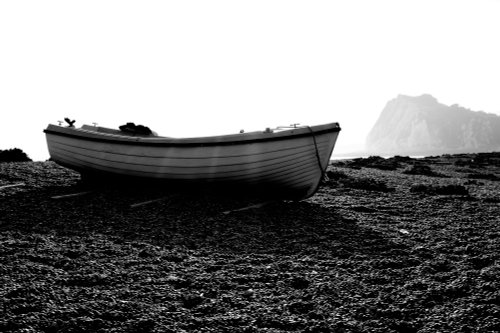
(288, 163)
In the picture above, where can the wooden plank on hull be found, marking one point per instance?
(302, 166)
(281, 171)
(182, 159)
(212, 168)
(138, 164)
(186, 154)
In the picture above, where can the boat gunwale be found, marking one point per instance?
(223, 140)
(320, 140)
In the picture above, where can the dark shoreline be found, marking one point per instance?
(386, 245)
(413, 154)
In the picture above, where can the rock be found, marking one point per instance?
(299, 282)
(424, 170)
(191, 300)
(13, 155)
(249, 293)
(423, 126)
(376, 162)
(366, 184)
(440, 190)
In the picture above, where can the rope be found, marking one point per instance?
(323, 173)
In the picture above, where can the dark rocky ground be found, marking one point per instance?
(386, 245)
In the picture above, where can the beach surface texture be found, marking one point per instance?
(385, 245)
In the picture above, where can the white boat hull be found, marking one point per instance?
(290, 162)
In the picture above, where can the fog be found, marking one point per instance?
(195, 68)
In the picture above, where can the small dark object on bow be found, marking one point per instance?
(70, 122)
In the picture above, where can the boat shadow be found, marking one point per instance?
(205, 221)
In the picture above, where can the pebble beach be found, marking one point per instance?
(386, 245)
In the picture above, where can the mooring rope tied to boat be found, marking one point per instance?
(323, 171)
(259, 205)
(147, 202)
(12, 185)
(64, 196)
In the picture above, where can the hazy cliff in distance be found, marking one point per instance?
(423, 126)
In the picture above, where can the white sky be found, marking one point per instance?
(190, 68)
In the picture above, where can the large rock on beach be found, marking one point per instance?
(423, 126)
(13, 155)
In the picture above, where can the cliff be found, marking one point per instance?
(423, 126)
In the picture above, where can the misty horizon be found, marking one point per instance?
(342, 149)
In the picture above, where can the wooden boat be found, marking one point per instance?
(287, 162)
